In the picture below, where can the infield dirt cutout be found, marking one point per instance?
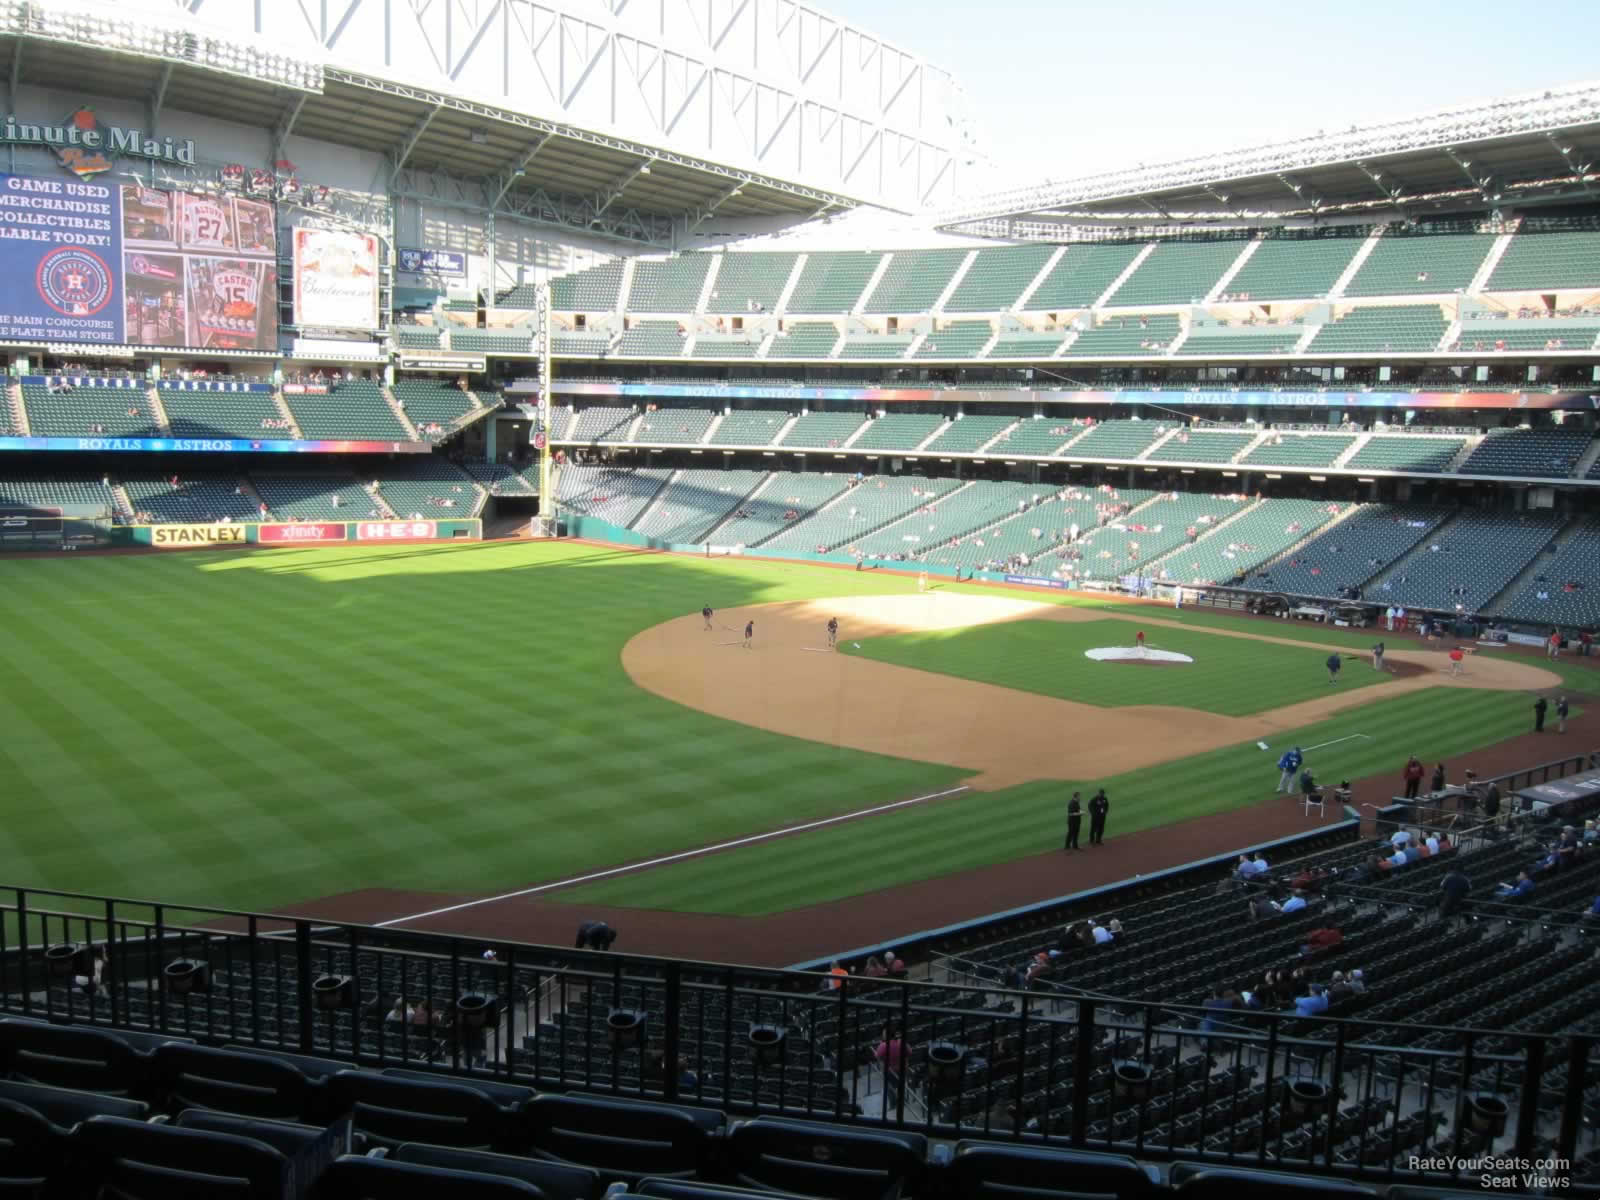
(791, 683)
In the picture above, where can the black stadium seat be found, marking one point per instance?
(232, 1081)
(132, 1160)
(623, 1140)
(389, 1110)
(354, 1178)
(70, 1057)
(558, 1181)
(1196, 1182)
(986, 1171)
(826, 1160)
(287, 1138)
(689, 1189)
(33, 1151)
(67, 1107)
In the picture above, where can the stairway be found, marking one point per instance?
(1300, 543)
(625, 286)
(19, 411)
(878, 273)
(152, 394)
(658, 498)
(1138, 261)
(1211, 532)
(733, 513)
(1349, 273)
(782, 305)
(1480, 277)
(1021, 304)
(287, 414)
(709, 285)
(400, 413)
(711, 429)
(955, 282)
(1587, 459)
(250, 494)
(997, 436)
(1350, 452)
(1234, 268)
(123, 503)
(1462, 455)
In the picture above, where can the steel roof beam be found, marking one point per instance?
(402, 152)
(517, 169)
(1580, 170)
(1482, 182)
(703, 214)
(612, 192)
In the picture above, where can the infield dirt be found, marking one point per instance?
(1002, 736)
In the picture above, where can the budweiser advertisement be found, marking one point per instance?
(307, 532)
(377, 531)
(335, 279)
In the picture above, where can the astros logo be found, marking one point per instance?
(74, 281)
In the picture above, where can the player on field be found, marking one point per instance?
(706, 613)
(749, 633)
(833, 632)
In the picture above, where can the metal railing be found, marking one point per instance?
(1358, 1097)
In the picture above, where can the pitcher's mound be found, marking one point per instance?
(1138, 656)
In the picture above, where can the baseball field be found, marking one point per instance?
(437, 724)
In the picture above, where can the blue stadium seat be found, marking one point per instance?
(231, 1081)
(622, 1139)
(354, 1178)
(390, 1110)
(70, 1057)
(555, 1181)
(987, 1171)
(826, 1160)
(132, 1160)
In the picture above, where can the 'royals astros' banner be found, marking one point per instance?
(102, 262)
(335, 279)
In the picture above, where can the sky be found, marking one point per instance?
(1063, 89)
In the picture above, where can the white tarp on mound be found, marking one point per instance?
(1135, 654)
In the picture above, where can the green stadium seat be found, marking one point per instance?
(352, 410)
(1201, 446)
(523, 296)
(1031, 346)
(1542, 259)
(332, 496)
(997, 278)
(788, 500)
(914, 280)
(695, 502)
(749, 427)
(726, 345)
(591, 290)
(825, 430)
(652, 339)
(750, 282)
(804, 339)
(958, 339)
(195, 412)
(614, 494)
(1295, 268)
(417, 337)
(1041, 436)
(1406, 452)
(679, 426)
(1465, 563)
(1294, 449)
(1279, 339)
(1177, 272)
(1133, 336)
(500, 479)
(1566, 589)
(1082, 275)
(579, 345)
(1118, 439)
(195, 501)
(1415, 328)
(90, 410)
(970, 433)
(876, 346)
(1497, 336)
(431, 403)
(426, 488)
(77, 495)
(831, 282)
(601, 423)
(1421, 263)
(1258, 535)
(876, 501)
(670, 285)
(493, 341)
(1351, 552)
(897, 431)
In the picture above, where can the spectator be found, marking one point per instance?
(1293, 904)
(399, 1013)
(874, 968)
(1314, 1003)
(1104, 935)
(1261, 907)
(1400, 839)
(1252, 868)
(1225, 1000)
(1320, 940)
(836, 976)
(1453, 891)
(1413, 777)
(894, 963)
(1439, 779)
(1312, 880)
(1523, 887)
(891, 1050)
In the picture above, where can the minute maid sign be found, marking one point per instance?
(87, 148)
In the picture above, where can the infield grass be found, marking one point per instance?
(1231, 676)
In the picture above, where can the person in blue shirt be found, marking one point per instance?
(1313, 1005)
(1515, 891)
(1334, 664)
(1289, 764)
(1594, 911)
(1293, 904)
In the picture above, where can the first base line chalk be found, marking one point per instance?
(1336, 741)
(817, 649)
(656, 862)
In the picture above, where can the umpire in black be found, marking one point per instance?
(1098, 807)
(595, 935)
(1074, 821)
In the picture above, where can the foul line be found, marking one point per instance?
(1336, 741)
(656, 862)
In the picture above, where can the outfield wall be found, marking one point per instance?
(294, 533)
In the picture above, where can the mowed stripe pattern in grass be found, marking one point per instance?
(256, 729)
(981, 829)
(1231, 676)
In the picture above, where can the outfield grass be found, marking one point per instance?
(981, 829)
(260, 728)
(1231, 676)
